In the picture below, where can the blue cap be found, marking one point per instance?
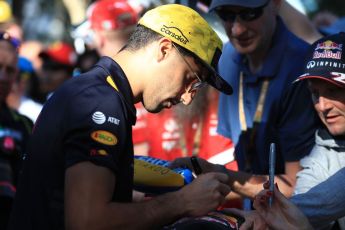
(243, 3)
(25, 65)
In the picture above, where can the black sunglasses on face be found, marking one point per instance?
(4, 36)
(246, 15)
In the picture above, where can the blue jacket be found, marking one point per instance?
(288, 117)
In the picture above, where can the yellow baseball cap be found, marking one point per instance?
(186, 27)
(5, 12)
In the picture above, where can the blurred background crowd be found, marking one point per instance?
(56, 35)
(57, 40)
(60, 39)
(37, 17)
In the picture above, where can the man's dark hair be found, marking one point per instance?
(141, 37)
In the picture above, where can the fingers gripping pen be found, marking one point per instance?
(272, 162)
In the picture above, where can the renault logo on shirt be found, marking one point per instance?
(99, 118)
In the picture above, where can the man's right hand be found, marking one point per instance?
(206, 193)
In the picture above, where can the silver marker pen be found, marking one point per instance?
(272, 163)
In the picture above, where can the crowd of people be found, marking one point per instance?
(161, 83)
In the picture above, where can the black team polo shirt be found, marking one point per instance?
(87, 119)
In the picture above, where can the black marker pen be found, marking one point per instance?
(196, 167)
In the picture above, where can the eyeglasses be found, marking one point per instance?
(4, 36)
(246, 15)
(196, 85)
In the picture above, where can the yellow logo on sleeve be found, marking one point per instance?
(104, 137)
(102, 152)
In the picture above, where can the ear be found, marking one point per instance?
(98, 39)
(165, 48)
(101, 41)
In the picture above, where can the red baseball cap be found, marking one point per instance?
(111, 15)
(60, 52)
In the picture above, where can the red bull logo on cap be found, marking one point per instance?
(329, 45)
(330, 50)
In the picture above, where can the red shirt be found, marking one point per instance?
(166, 141)
(140, 126)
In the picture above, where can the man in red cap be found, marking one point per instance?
(58, 63)
(111, 22)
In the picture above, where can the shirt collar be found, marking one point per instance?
(121, 81)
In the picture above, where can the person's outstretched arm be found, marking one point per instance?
(329, 195)
(89, 192)
(245, 184)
